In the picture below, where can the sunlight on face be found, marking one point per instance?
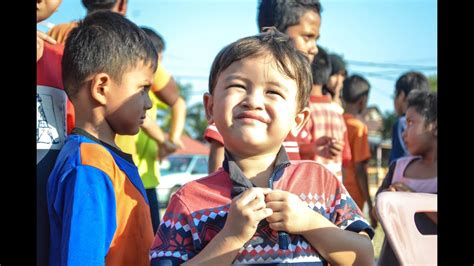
(306, 33)
(129, 100)
(254, 105)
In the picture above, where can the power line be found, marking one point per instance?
(390, 65)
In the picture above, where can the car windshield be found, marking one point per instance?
(172, 165)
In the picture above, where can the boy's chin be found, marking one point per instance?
(130, 132)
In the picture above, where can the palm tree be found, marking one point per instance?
(196, 121)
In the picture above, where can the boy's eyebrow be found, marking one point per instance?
(278, 84)
(236, 76)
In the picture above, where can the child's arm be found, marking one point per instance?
(155, 133)
(245, 212)
(362, 179)
(337, 246)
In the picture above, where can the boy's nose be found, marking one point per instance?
(148, 103)
(254, 100)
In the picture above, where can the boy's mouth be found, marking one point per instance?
(252, 115)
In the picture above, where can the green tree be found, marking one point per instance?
(433, 82)
(196, 121)
(389, 119)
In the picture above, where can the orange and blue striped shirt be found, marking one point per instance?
(97, 206)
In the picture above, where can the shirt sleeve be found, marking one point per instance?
(212, 134)
(346, 215)
(398, 147)
(177, 238)
(161, 78)
(88, 216)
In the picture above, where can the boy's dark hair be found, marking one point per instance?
(155, 38)
(104, 42)
(283, 14)
(425, 103)
(321, 67)
(338, 64)
(412, 80)
(354, 87)
(291, 62)
(95, 5)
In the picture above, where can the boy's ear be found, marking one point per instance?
(301, 119)
(100, 87)
(208, 105)
(122, 7)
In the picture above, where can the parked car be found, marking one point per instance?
(176, 170)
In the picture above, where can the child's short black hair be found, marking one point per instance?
(283, 13)
(321, 67)
(338, 65)
(155, 38)
(354, 87)
(412, 80)
(291, 62)
(95, 5)
(104, 42)
(425, 103)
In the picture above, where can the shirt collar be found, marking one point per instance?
(82, 132)
(240, 182)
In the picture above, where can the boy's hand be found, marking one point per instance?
(290, 213)
(328, 147)
(399, 186)
(245, 212)
(40, 38)
(335, 147)
(166, 148)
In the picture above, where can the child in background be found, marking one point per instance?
(97, 205)
(418, 172)
(324, 138)
(407, 82)
(336, 79)
(261, 207)
(355, 94)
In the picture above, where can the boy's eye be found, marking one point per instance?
(275, 92)
(238, 86)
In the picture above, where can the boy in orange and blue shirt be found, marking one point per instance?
(97, 205)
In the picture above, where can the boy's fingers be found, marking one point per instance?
(275, 195)
(250, 194)
(262, 214)
(45, 37)
(275, 205)
(256, 204)
(277, 226)
(275, 217)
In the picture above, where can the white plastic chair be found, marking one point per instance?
(396, 213)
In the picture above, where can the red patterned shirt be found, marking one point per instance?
(198, 211)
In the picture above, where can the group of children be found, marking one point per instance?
(263, 205)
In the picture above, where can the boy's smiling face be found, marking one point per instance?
(129, 100)
(254, 106)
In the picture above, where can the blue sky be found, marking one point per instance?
(397, 35)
